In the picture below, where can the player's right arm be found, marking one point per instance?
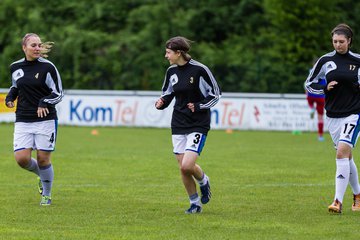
(167, 94)
(12, 94)
(11, 97)
(312, 83)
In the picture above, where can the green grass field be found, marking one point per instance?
(124, 184)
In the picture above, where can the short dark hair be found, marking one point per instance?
(181, 44)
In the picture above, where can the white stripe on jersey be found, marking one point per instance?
(51, 84)
(205, 88)
(315, 79)
(20, 60)
(213, 81)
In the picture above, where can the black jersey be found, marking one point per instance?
(190, 83)
(344, 99)
(34, 84)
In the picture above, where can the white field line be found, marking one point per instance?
(258, 185)
(284, 185)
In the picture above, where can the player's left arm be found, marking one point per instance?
(53, 81)
(209, 89)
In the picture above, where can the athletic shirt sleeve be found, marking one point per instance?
(13, 91)
(53, 81)
(167, 90)
(312, 83)
(209, 89)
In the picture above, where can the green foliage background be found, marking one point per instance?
(250, 45)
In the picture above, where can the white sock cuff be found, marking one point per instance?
(342, 161)
(204, 180)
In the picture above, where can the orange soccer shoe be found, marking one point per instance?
(356, 204)
(335, 207)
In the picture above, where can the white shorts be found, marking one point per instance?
(35, 135)
(188, 142)
(344, 130)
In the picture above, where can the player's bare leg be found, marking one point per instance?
(189, 170)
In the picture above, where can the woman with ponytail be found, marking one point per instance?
(36, 85)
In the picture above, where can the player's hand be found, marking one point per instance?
(42, 112)
(191, 106)
(10, 104)
(331, 85)
(159, 103)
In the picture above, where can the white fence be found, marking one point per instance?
(284, 112)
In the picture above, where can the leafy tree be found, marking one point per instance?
(299, 32)
(250, 45)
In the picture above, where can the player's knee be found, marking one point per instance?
(22, 161)
(343, 152)
(186, 169)
(43, 158)
(342, 155)
(44, 162)
(23, 157)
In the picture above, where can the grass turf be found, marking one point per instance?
(124, 183)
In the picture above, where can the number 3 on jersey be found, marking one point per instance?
(197, 138)
(196, 142)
